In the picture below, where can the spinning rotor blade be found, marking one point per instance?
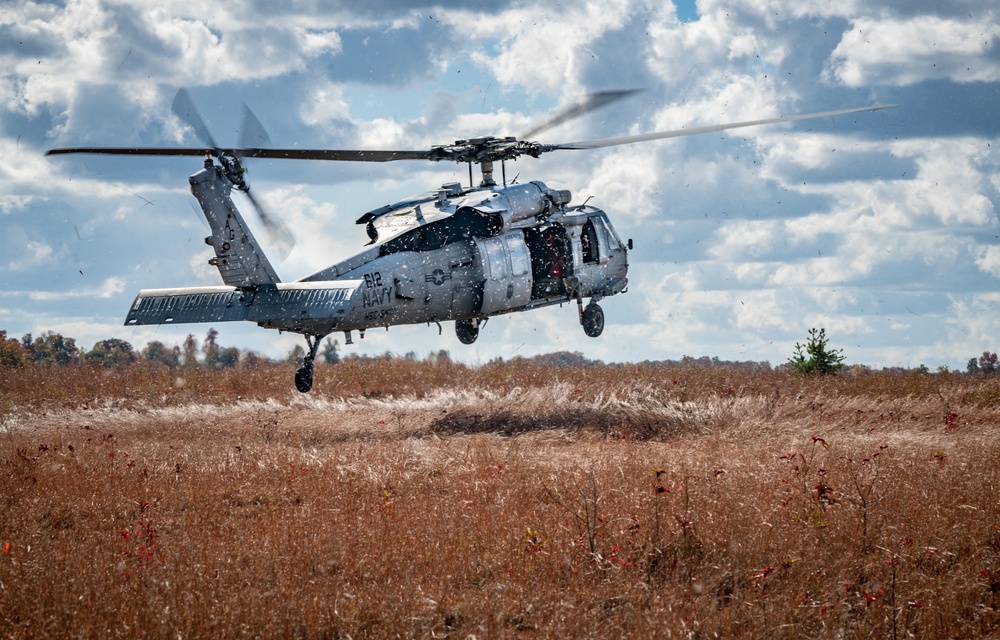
(277, 232)
(184, 109)
(130, 151)
(252, 131)
(677, 133)
(478, 150)
(591, 102)
(253, 136)
(489, 149)
(346, 155)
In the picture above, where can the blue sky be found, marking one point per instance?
(880, 227)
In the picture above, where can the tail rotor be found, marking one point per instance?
(252, 135)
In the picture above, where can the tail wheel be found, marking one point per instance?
(593, 320)
(304, 378)
(467, 331)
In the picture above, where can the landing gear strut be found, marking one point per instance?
(304, 374)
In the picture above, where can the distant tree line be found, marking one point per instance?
(986, 364)
(54, 349)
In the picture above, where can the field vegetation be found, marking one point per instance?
(426, 498)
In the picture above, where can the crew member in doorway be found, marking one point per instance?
(557, 258)
(588, 242)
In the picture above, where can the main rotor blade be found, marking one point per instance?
(463, 151)
(591, 102)
(186, 111)
(677, 133)
(131, 151)
(346, 155)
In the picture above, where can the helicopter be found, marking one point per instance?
(456, 253)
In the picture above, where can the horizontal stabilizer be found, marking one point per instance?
(293, 306)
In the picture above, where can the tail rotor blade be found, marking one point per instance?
(186, 111)
(253, 136)
(278, 233)
(252, 133)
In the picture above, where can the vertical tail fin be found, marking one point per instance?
(239, 258)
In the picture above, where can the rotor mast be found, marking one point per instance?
(486, 167)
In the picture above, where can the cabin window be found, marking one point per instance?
(520, 261)
(497, 259)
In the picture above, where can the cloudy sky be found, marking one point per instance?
(880, 227)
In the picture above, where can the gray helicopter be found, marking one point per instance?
(457, 253)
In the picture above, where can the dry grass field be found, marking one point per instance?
(408, 499)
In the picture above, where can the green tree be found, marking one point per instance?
(190, 351)
(331, 351)
(988, 363)
(228, 358)
(815, 356)
(218, 357)
(296, 355)
(111, 353)
(53, 348)
(12, 353)
(156, 351)
(211, 349)
(251, 360)
(441, 357)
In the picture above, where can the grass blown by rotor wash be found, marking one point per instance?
(440, 500)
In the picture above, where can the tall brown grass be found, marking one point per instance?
(419, 500)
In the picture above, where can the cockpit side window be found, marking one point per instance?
(610, 235)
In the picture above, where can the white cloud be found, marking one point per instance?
(625, 181)
(325, 104)
(319, 42)
(904, 51)
(949, 184)
(35, 253)
(76, 31)
(989, 260)
(542, 48)
(109, 288)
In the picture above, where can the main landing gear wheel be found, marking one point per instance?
(592, 320)
(467, 330)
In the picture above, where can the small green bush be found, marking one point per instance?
(817, 357)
